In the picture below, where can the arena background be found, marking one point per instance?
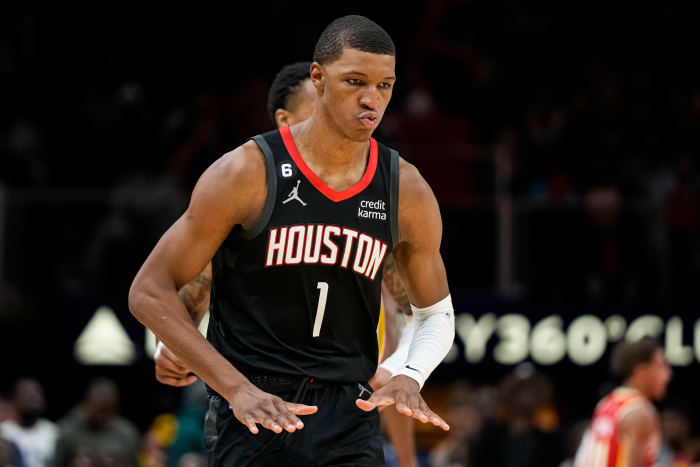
(561, 142)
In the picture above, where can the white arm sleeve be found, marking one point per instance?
(432, 339)
(394, 362)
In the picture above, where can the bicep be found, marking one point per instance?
(418, 255)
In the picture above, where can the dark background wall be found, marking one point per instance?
(561, 142)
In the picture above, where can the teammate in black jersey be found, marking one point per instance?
(266, 318)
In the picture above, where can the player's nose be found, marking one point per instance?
(369, 100)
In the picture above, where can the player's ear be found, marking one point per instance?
(282, 118)
(318, 75)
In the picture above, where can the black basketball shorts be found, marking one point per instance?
(338, 434)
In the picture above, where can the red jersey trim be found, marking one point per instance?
(318, 183)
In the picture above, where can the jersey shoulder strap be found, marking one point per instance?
(394, 197)
(271, 190)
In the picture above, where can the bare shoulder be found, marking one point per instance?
(235, 183)
(640, 417)
(246, 160)
(412, 186)
(418, 207)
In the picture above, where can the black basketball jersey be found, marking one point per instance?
(299, 293)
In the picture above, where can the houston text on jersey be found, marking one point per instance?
(319, 243)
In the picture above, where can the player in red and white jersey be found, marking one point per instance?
(625, 430)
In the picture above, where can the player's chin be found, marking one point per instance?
(359, 136)
(359, 133)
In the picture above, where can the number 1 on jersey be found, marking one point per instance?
(321, 308)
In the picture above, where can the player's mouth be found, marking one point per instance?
(369, 120)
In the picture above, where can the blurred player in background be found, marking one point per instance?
(290, 100)
(625, 430)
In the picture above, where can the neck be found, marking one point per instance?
(323, 145)
(637, 386)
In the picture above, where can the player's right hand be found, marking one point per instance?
(252, 406)
(171, 370)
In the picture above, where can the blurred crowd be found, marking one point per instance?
(94, 434)
(585, 116)
(514, 423)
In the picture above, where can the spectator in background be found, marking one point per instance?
(94, 430)
(190, 425)
(616, 243)
(34, 436)
(675, 427)
(172, 437)
(573, 440)
(465, 422)
(518, 439)
(192, 460)
(10, 455)
(7, 412)
(682, 219)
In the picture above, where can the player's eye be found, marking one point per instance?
(385, 85)
(354, 81)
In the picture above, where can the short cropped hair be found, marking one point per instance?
(355, 32)
(627, 355)
(285, 85)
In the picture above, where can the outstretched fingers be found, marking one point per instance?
(420, 411)
(277, 415)
(249, 421)
(414, 406)
(301, 409)
(402, 405)
(269, 423)
(373, 402)
(435, 419)
(286, 418)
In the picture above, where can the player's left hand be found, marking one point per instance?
(405, 393)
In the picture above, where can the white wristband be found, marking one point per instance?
(394, 362)
(432, 338)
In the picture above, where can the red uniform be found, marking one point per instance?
(601, 445)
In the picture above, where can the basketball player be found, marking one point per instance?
(296, 287)
(290, 100)
(625, 430)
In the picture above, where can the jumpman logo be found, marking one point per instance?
(363, 390)
(294, 194)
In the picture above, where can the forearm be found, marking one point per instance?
(395, 285)
(401, 433)
(163, 312)
(396, 361)
(432, 338)
(195, 295)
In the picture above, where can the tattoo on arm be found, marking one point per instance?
(393, 282)
(195, 296)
